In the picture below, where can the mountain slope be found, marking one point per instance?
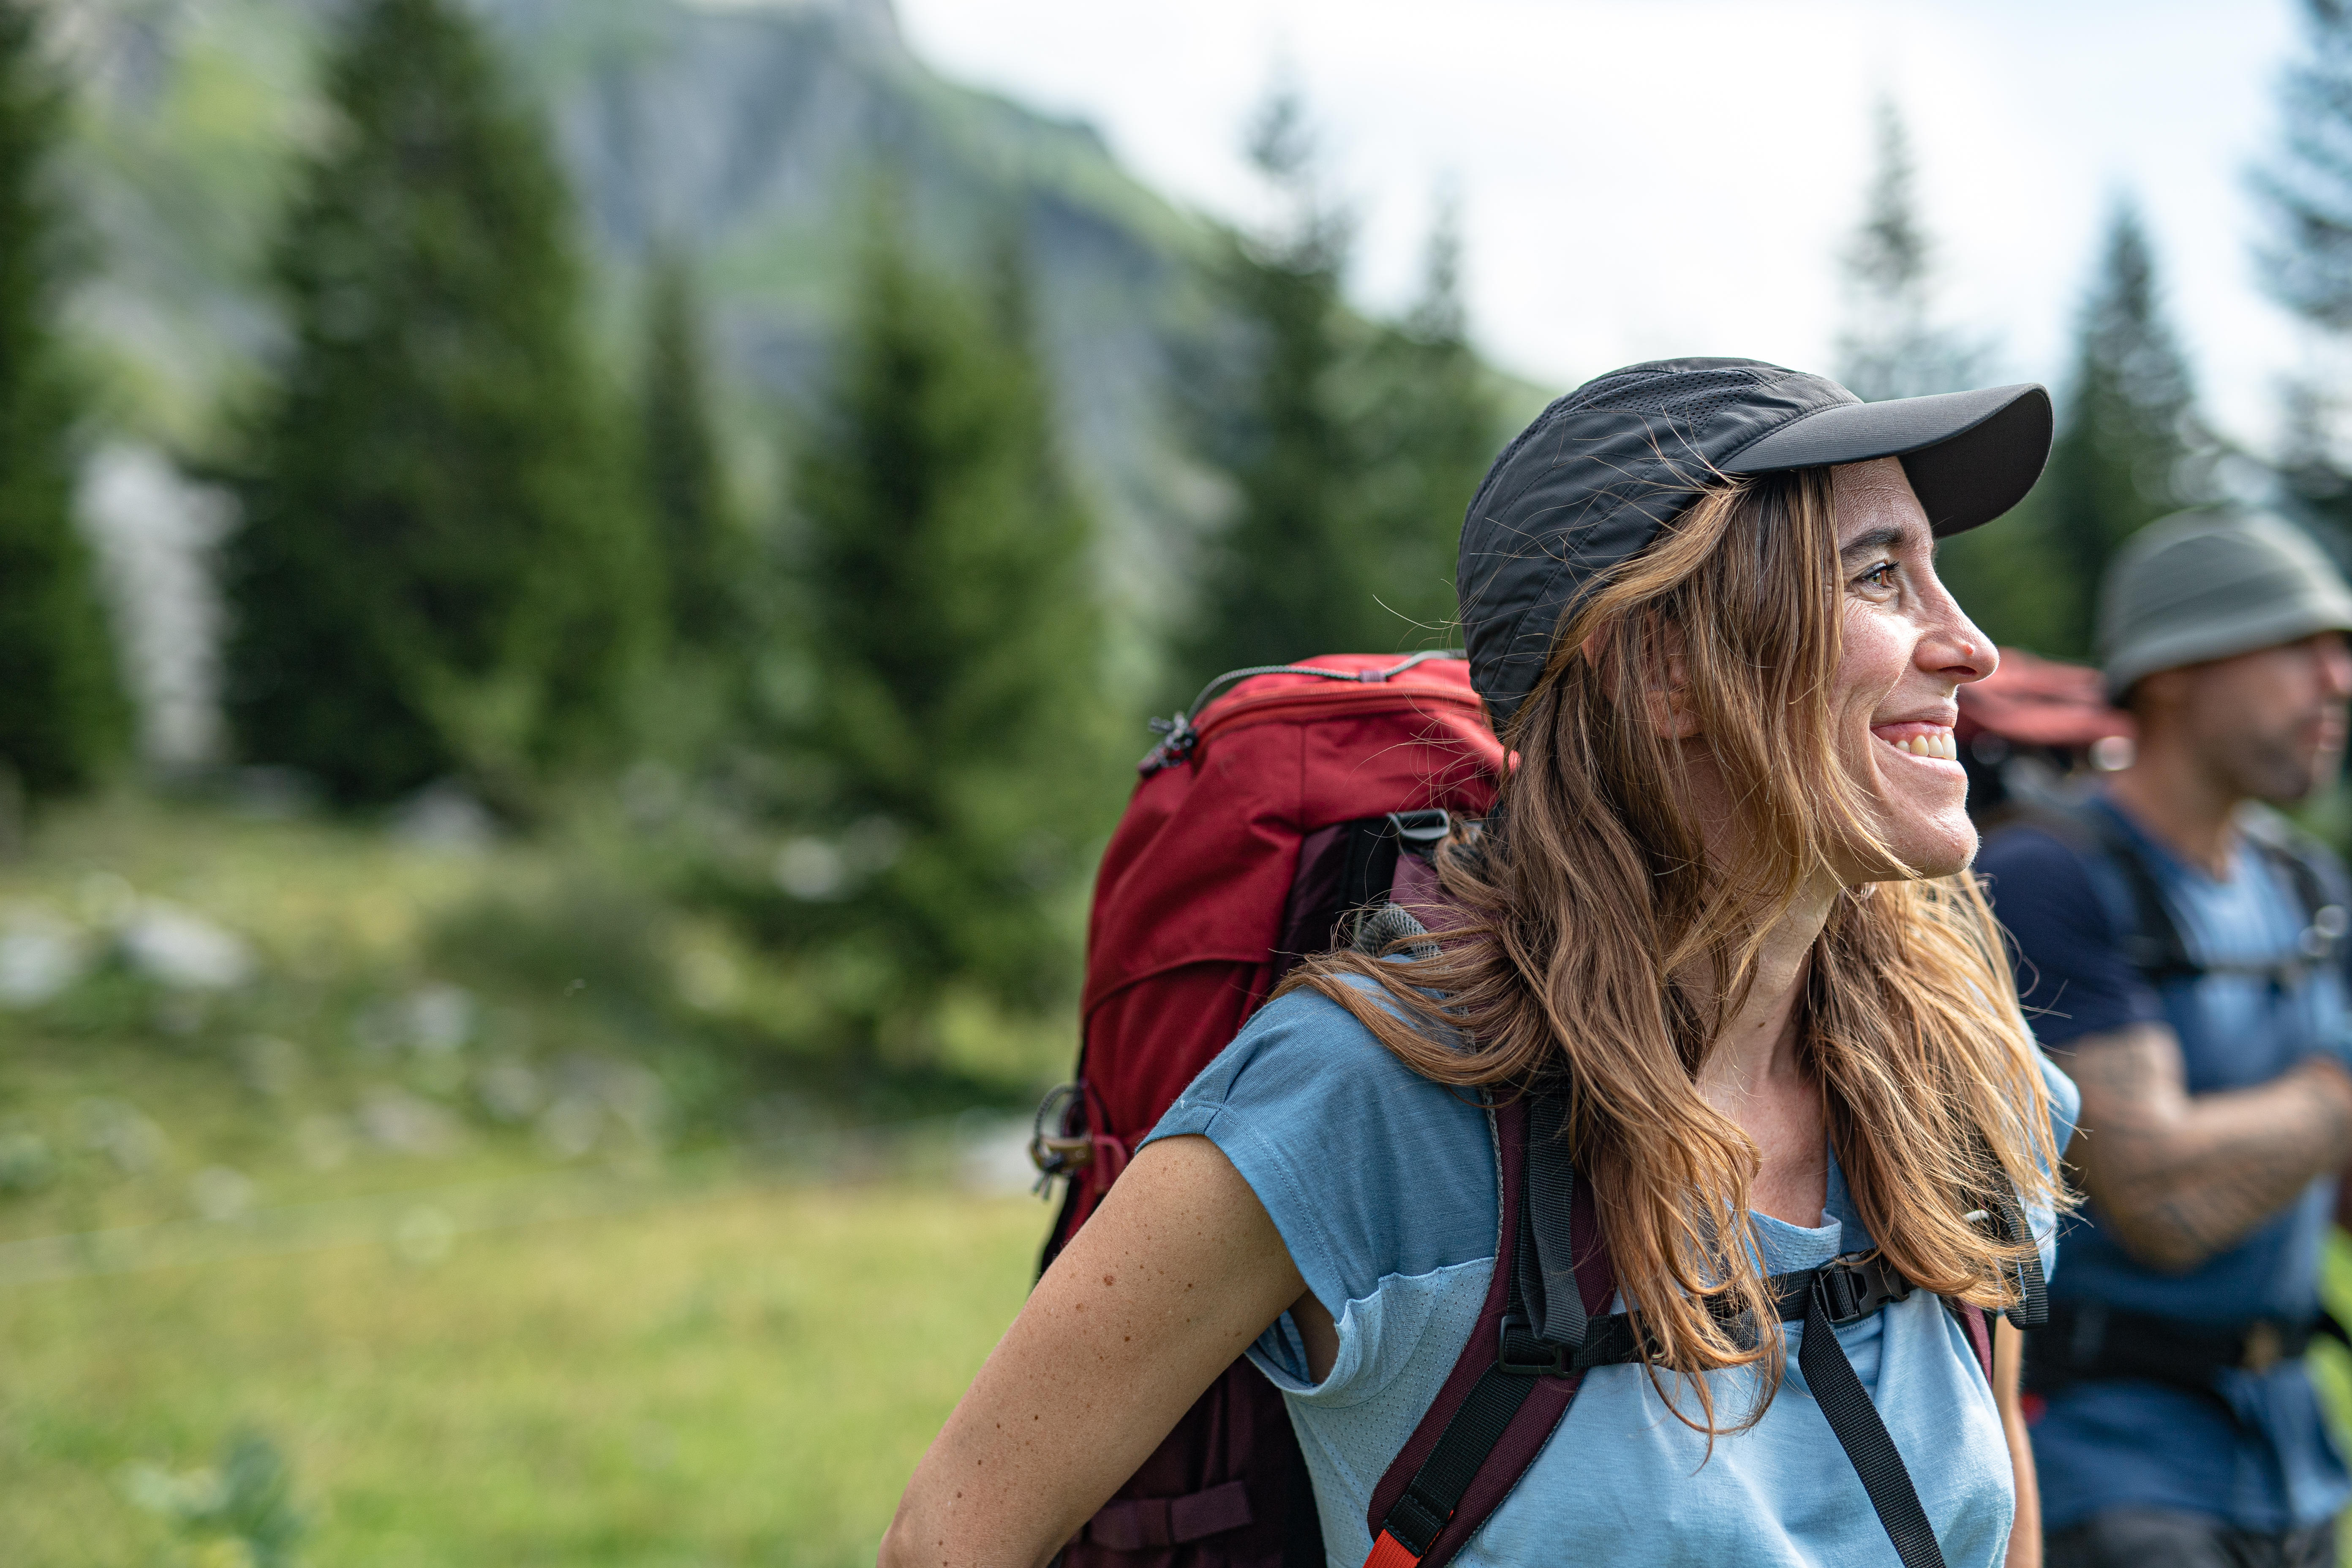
(751, 135)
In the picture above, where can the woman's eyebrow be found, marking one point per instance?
(1876, 539)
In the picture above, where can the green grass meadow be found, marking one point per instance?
(475, 1221)
(478, 1191)
(747, 1377)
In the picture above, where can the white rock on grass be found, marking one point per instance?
(123, 1133)
(444, 816)
(221, 1193)
(181, 948)
(40, 957)
(395, 1120)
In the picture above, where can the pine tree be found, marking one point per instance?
(2129, 439)
(953, 631)
(62, 714)
(2129, 449)
(703, 550)
(1423, 437)
(1287, 576)
(719, 616)
(1351, 448)
(2307, 261)
(443, 569)
(1891, 346)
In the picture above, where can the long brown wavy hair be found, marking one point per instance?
(1595, 926)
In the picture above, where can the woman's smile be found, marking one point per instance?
(1925, 740)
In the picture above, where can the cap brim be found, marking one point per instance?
(1971, 455)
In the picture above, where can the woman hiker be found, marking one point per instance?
(1721, 925)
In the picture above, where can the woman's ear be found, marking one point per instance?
(1667, 688)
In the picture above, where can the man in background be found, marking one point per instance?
(2179, 951)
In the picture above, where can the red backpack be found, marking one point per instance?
(1263, 818)
(1267, 824)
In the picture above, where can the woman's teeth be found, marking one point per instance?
(1934, 744)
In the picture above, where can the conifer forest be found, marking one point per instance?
(581, 586)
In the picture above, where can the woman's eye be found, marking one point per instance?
(1879, 576)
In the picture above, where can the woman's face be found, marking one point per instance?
(1908, 648)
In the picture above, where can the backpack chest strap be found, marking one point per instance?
(1852, 1288)
(1544, 1316)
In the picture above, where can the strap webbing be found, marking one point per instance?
(2155, 945)
(2033, 1308)
(1546, 1330)
(1547, 1271)
(1436, 1489)
(1863, 1435)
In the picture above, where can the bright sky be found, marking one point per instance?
(1646, 177)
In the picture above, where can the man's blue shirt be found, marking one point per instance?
(2105, 1444)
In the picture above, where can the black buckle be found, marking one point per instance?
(1852, 1288)
(1421, 831)
(1521, 1354)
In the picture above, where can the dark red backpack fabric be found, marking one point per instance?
(1222, 875)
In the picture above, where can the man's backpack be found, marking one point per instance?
(1299, 810)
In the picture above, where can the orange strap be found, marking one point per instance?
(1388, 1552)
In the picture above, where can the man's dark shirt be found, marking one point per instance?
(2104, 1445)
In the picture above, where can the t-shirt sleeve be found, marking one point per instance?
(2072, 976)
(2065, 1110)
(1367, 1169)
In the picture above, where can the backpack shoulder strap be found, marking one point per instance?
(2153, 944)
(1500, 1403)
(2316, 874)
(1488, 1423)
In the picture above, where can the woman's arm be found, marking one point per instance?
(2008, 1363)
(1168, 1283)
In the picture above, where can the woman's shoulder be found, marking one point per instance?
(1367, 1168)
(1304, 1041)
(1306, 1074)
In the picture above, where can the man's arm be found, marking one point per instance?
(2178, 1177)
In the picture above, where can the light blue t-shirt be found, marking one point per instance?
(1382, 1184)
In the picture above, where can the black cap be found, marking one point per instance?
(1602, 469)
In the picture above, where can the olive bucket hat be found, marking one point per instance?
(2213, 583)
(1592, 481)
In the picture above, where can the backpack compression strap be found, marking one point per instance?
(1487, 1423)
(1544, 1312)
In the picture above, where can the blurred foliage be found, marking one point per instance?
(705, 546)
(63, 717)
(2130, 449)
(943, 770)
(2305, 260)
(576, 932)
(202, 1013)
(440, 571)
(1349, 450)
(2130, 442)
(1424, 424)
(505, 1270)
(245, 1503)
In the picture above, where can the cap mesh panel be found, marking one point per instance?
(1687, 397)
